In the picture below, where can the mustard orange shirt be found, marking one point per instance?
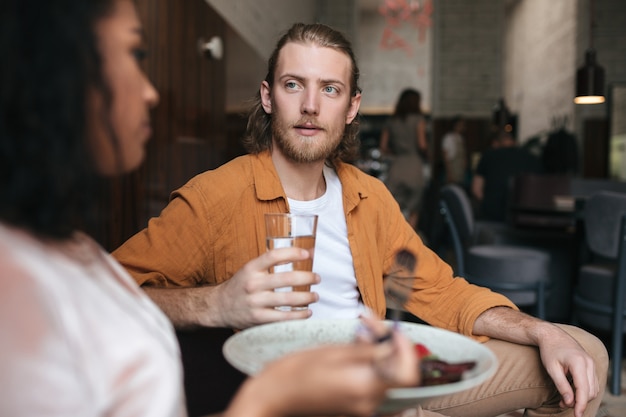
(214, 224)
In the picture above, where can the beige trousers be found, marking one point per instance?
(520, 383)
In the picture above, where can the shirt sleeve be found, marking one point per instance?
(171, 251)
(439, 298)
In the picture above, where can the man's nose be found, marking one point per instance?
(310, 102)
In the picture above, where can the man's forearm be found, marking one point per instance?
(188, 307)
(507, 324)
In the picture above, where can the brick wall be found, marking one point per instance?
(539, 58)
(467, 60)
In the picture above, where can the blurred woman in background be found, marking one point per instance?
(404, 139)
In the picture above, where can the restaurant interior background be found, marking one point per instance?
(464, 56)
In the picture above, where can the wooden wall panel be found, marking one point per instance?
(189, 122)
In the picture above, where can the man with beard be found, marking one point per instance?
(203, 260)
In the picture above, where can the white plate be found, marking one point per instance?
(250, 349)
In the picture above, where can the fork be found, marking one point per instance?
(398, 286)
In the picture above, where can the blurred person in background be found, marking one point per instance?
(404, 139)
(455, 154)
(494, 172)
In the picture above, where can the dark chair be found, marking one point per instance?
(599, 297)
(520, 273)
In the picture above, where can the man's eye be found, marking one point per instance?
(140, 54)
(290, 84)
(330, 89)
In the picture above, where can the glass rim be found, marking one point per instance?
(291, 214)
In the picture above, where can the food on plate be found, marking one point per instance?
(436, 371)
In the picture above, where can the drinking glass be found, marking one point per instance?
(283, 230)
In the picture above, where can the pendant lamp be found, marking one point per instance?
(590, 77)
(590, 81)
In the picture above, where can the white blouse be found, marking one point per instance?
(78, 337)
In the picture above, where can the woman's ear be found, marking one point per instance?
(266, 97)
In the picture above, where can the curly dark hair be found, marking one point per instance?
(258, 135)
(50, 61)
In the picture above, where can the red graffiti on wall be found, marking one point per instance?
(400, 12)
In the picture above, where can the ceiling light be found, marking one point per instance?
(590, 77)
(590, 81)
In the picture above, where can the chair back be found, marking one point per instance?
(599, 298)
(458, 215)
(603, 214)
(460, 208)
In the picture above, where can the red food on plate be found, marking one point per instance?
(422, 351)
(435, 371)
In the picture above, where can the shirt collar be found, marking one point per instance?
(266, 181)
(268, 186)
(353, 189)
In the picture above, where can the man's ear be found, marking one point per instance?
(266, 97)
(353, 109)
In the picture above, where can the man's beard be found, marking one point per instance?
(305, 149)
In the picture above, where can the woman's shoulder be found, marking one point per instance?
(33, 273)
(415, 118)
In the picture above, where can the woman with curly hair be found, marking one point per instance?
(78, 337)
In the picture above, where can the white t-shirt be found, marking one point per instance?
(338, 292)
(78, 337)
(451, 143)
